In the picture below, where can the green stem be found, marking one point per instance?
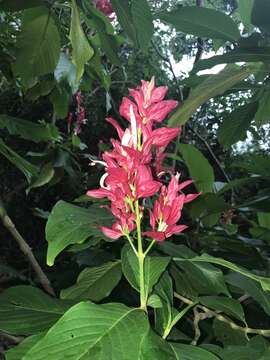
(149, 247)
(131, 244)
(141, 257)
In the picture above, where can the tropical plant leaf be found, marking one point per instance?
(38, 45)
(17, 352)
(212, 86)
(95, 283)
(82, 51)
(112, 330)
(143, 22)
(236, 124)
(202, 22)
(70, 224)
(124, 17)
(227, 305)
(199, 168)
(25, 310)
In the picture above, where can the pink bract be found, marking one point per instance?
(134, 166)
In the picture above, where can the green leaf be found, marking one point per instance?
(263, 113)
(15, 5)
(252, 288)
(153, 268)
(29, 170)
(190, 352)
(261, 54)
(29, 130)
(25, 310)
(42, 88)
(264, 281)
(124, 17)
(227, 305)
(95, 283)
(60, 99)
(264, 220)
(81, 48)
(66, 71)
(154, 301)
(94, 331)
(202, 22)
(236, 124)
(245, 10)
(212, 86)
(38, 45)
(70, 224)
(199, 168)
(44, 177)
(143, 22)
(164, 290)
(228, 335)
(204, 278)
(17, 352)
(259, 16)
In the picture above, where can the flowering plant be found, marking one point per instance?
(134, 173)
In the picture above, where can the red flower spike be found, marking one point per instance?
(134, 161)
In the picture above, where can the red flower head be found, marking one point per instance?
(134, 164)
(105, 7)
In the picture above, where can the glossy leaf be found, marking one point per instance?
(123, 12)
(66, 71)
(212, 86)
(29, 170)
(70, 224)
(100, 330)
(261, 54)
(263, 113)
(95, 283)
(245, 8)
(29, 130)
(236, 124)
(154, 266)
(202, 22)
(227, 305)
(190, 352)
(25, 310)
(17, 352)
(38, 45)
(143, 22)
(81, 48)
(199, 168)
(264, 281)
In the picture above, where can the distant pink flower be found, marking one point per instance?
(105, 7)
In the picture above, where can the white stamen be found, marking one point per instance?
(102, 180)
(134, 133)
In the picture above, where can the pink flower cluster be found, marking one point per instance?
(78, 118)
(105, 7)
(134, 166)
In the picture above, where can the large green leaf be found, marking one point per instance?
(110, 331)
(259, 16)
(190, 352)
(199, 168)
(123, 12)
(227, 305)
(29, 170)
(29, 130)
(70, 224)
(252, 288)
(154, 266)
(264, 281)
(25, 310)
(264, 220)
(81, 48)
(202, 22)
(38, 45)
(204, 278)
(66, 71)
(235, 125)
(95, 283)
(212, 86)
(239, 55)
(245, 10)
(143, 22)
(263, 113)
(17, 352)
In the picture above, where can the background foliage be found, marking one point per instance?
(49, 51)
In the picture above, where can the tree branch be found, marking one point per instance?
(208, 313)
(25, 248)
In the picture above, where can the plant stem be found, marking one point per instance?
(149, 247)
(131, 244)
(141, 257)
